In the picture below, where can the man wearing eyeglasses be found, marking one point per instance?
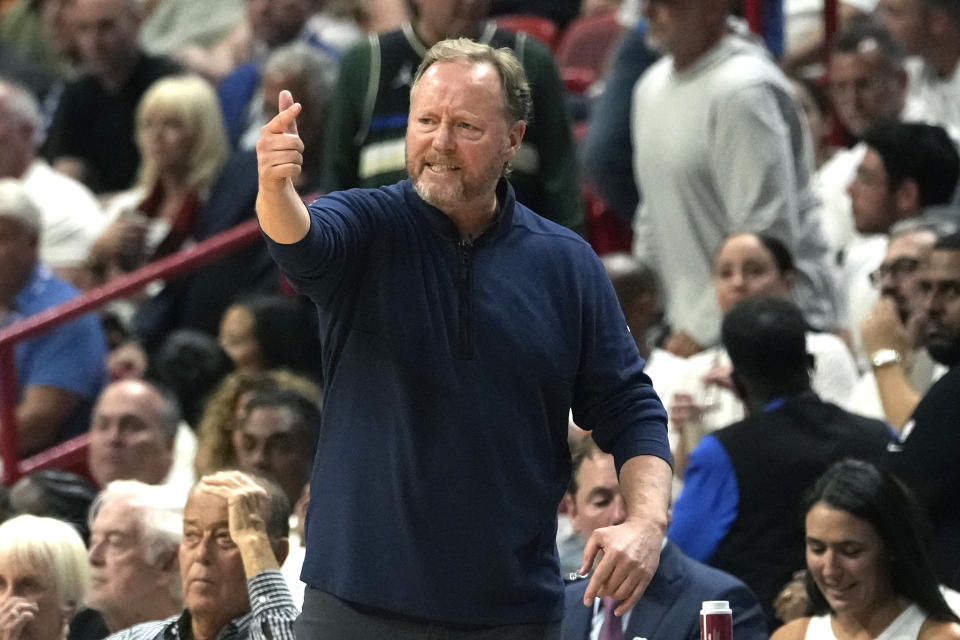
(893, 330)
(907, 169)
(926, 458)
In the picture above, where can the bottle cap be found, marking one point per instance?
(715, 606)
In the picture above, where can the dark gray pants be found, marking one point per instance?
(326, 617)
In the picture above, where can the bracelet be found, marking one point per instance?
(884, 357)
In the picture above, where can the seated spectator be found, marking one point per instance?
(133, 436)
(135, 535)
(926, 457)
(183, 147)
(43, 577)
(867, 85)
(669, 607)
(907, 169)
(226, 408)
(60, 372)
(727, 515)
(191, 364)
(640, 294)
(91, 138)
(869, 573)
(303, 71)
(270, 332)
(272, 25)
(71, 217)
(234, 538)
(747, 265)
(39, 30)
(930, 32)
(893, 331)
(277, 438)
(53, 493)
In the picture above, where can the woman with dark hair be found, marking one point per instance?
(747, 265)
(266, 331)
(869, 573)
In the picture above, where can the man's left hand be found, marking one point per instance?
(629, 555)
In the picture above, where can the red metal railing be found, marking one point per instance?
(187, 260)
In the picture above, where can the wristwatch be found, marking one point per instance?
(883, 357)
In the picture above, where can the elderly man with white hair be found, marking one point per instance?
(135, 532)
(59, 373)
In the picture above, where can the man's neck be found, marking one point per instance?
(116, 76)
(943, 60)
(695, 49)
(472, 222)
(204, 628)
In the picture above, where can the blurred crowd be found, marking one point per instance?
(778, 213)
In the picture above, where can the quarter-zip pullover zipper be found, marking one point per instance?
(465, 300)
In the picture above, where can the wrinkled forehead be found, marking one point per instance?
(204, 507)
(458, 76)
(913, 244)
(944, 264)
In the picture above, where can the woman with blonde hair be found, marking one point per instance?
(184, 147)
(44, 577)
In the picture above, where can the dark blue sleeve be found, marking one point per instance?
(342, 225)
(613, 397)
(708, 504)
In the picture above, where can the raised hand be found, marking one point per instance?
(15, 614)
(279, 148)
(247, 506)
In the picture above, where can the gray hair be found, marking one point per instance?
(938, 226)
(16, 203)
(513, 79)
(159, 513)
(318, 71)
(20, 103)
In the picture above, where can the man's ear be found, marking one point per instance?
(906, 197)
(515, 136)
(567, 505)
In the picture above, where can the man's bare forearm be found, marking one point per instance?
(283, 216)
(645, 485)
